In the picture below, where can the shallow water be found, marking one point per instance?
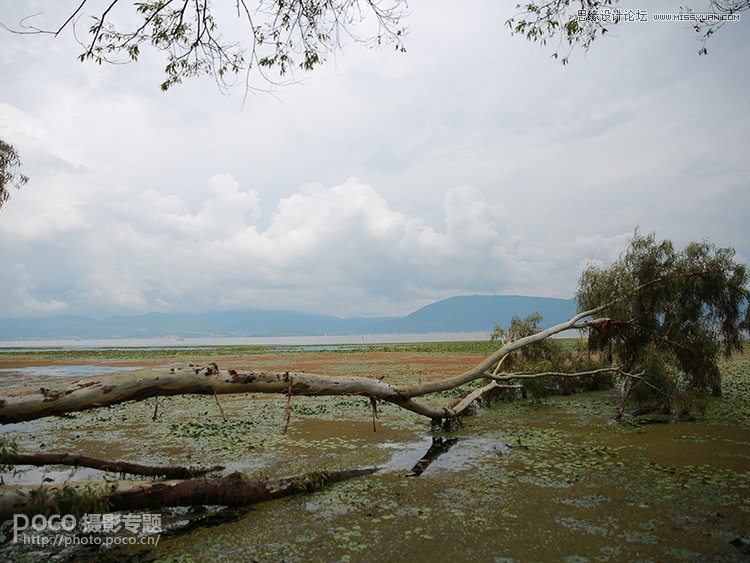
(325, 340)
(539, 489)
(50, 374)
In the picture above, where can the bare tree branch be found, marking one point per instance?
(513, 376)
(72, 16)
(282, 36)
(75, 460)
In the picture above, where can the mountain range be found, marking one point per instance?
(470, 313)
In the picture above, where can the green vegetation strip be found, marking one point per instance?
(124, 353)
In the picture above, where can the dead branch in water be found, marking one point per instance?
(75, 460)
(232, 490)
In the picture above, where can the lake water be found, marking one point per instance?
(174, 342)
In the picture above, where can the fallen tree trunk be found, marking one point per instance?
(75, 460)
(232, 490)
(30, 403)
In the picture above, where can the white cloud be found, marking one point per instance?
(342, 249)
(22, 129)
(469, 218)
(50, 205)
(29, 305)
(21, 290)
(223, 214)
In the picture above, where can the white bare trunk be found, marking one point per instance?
(93, 392)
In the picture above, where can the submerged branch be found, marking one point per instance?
(438, 447)
(232, 490)
(75, 460)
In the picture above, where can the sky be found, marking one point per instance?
(473, 163)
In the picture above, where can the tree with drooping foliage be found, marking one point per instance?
(578, 23)
(263, 39)
(268, 40)
(674, 314)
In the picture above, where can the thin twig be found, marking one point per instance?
(224, 416)
(497, 368)
(73, 15)
(374, 405)
(510, 376)
(288, 413)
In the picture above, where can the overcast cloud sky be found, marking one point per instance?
(471, 164)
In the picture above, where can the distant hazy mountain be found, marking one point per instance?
(471, 313)
(458, 314)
